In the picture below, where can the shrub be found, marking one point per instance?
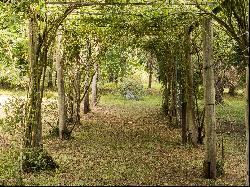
(131, 89)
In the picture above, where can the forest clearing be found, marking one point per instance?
(124, 92)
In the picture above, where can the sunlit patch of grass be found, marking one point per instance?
(50, 94)
(233, 109)
(12, 92)
(148, 100)
(17, 92)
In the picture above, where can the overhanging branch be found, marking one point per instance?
(96, 3)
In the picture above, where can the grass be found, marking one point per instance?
(17, 92)
(233, 109)
(125, 142)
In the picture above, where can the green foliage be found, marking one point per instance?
(131, 89)
(14, 120)
(220, 168)
(37, 160)
(9, 166)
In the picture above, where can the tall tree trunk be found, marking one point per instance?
(33, 155)
(209, 101)
(94, 86)
(60, 86)
(192, 129)
(174, 93)
(77, 90)
(247, 121)
(33, 130)
(86, 105)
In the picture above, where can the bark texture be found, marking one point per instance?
(247, 121)
(192, 129)
(60, 87)
(209, 100)
(33, 129)
(94, 86)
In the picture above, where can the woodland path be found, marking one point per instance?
(132, 144)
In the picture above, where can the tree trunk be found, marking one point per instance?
(33, 131)
(86, 107)
(77, 90)
(192, 129)
(50, 81)
(174, 93)
(232, 90)
(55, 78)
(60, 86)
(184, 124)
(150, 72)
(94, 86)
(219, 88)
(209, 101)
(34, 157)
(247, 121)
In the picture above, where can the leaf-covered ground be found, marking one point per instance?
(130, 143)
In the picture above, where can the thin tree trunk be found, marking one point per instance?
(184, 124)
(86, 107)
(60, 86)
(150, 72)
(209, 101)
(94, 86)
(219, 88)
(192, 129)
(174, 94)
(77, 90)
(55, 78)
(50, 81)
(247, 122)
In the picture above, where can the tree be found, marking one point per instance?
(190, 92)
(234, 18)
(40, 38)
(60, 85)
(209, 100)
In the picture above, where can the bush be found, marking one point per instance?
(131, 89)
(37, 160)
